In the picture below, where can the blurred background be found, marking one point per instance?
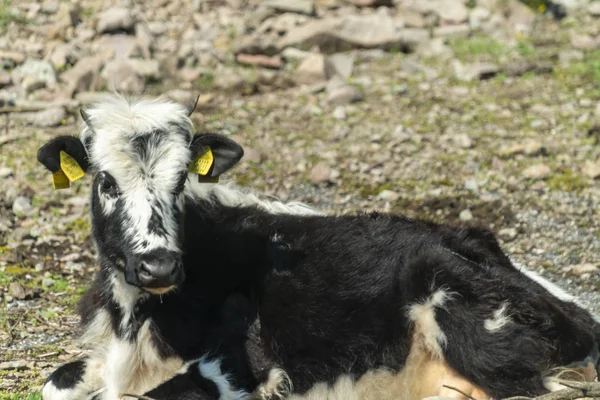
(483, 112)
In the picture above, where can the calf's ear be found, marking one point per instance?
(66, 158)
(213, 154)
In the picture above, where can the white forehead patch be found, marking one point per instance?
(144, 145)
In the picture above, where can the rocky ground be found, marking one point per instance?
(480, 112)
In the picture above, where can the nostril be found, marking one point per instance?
(175, 270)
(145, 272)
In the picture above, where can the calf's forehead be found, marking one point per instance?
(127, 136)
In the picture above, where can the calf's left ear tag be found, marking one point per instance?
(70, 167)
(201, 165)
(60, 180)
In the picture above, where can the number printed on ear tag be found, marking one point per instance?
(201, 165)
(70, 167)
(60, 180)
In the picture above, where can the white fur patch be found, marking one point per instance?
(499, 319)
(423, 316)
(546, 284)
(231, 196)
(212, 370)
(136, 367)
(90, 382)
(277, 386)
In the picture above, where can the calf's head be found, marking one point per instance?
(140, 155)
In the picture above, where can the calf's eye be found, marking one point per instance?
(108, 185)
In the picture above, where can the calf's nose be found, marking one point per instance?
(160, 271)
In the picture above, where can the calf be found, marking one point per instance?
(364, 306)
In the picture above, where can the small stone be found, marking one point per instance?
(17, 291)
(339, 64)
(452, 31)
(253, 155)
(31, 84)
(311, 70)
(13, 57)
(320, 173)
(372, 3)
(148, 69)
(594, 9)
(339, 113)
(508, 234)
(291, 53)
(591, 169)
(18, 365)
(581, 269)
(345, 95)
(47, 118)
(474, 71)
(67, 16)
(5, 78)
(471, 185)
(584, 42)
(568, 56)
(121, 75)
(38, 70)
(115, 19)
(465, 215)
(478, 16)
(388, 195)
(21, 206)
(296, 6)
(435, 48)
(538, 171)
(47, 282)
(463, 140)
(529, 148)
(260, 60)
(5, 172)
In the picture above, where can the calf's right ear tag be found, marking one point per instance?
(201, 165)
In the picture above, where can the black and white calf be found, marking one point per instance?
(264, 295)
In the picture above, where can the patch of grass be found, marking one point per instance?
(205, 83)
(469, 48)
(568, 181)
(526, 49)
(23, 396)
(8, 15)
(59, 285)
(79, 225)
(587, 69)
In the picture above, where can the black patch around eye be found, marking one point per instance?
(108, 185)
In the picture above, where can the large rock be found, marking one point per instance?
(449, 11)
(594, 9)
(297, 6)
(5, 79)
(45, 119)
(115, 19)
(119, 45)
(342, 33)
(68, 15)
(122, 76)
(38, 70)
(84, 75)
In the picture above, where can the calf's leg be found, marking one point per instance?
(75, 380)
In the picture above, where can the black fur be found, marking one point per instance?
(333, 293)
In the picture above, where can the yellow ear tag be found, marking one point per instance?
(70, 167)
(60, 180)
(201, 165)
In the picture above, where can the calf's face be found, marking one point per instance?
(141, 156)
